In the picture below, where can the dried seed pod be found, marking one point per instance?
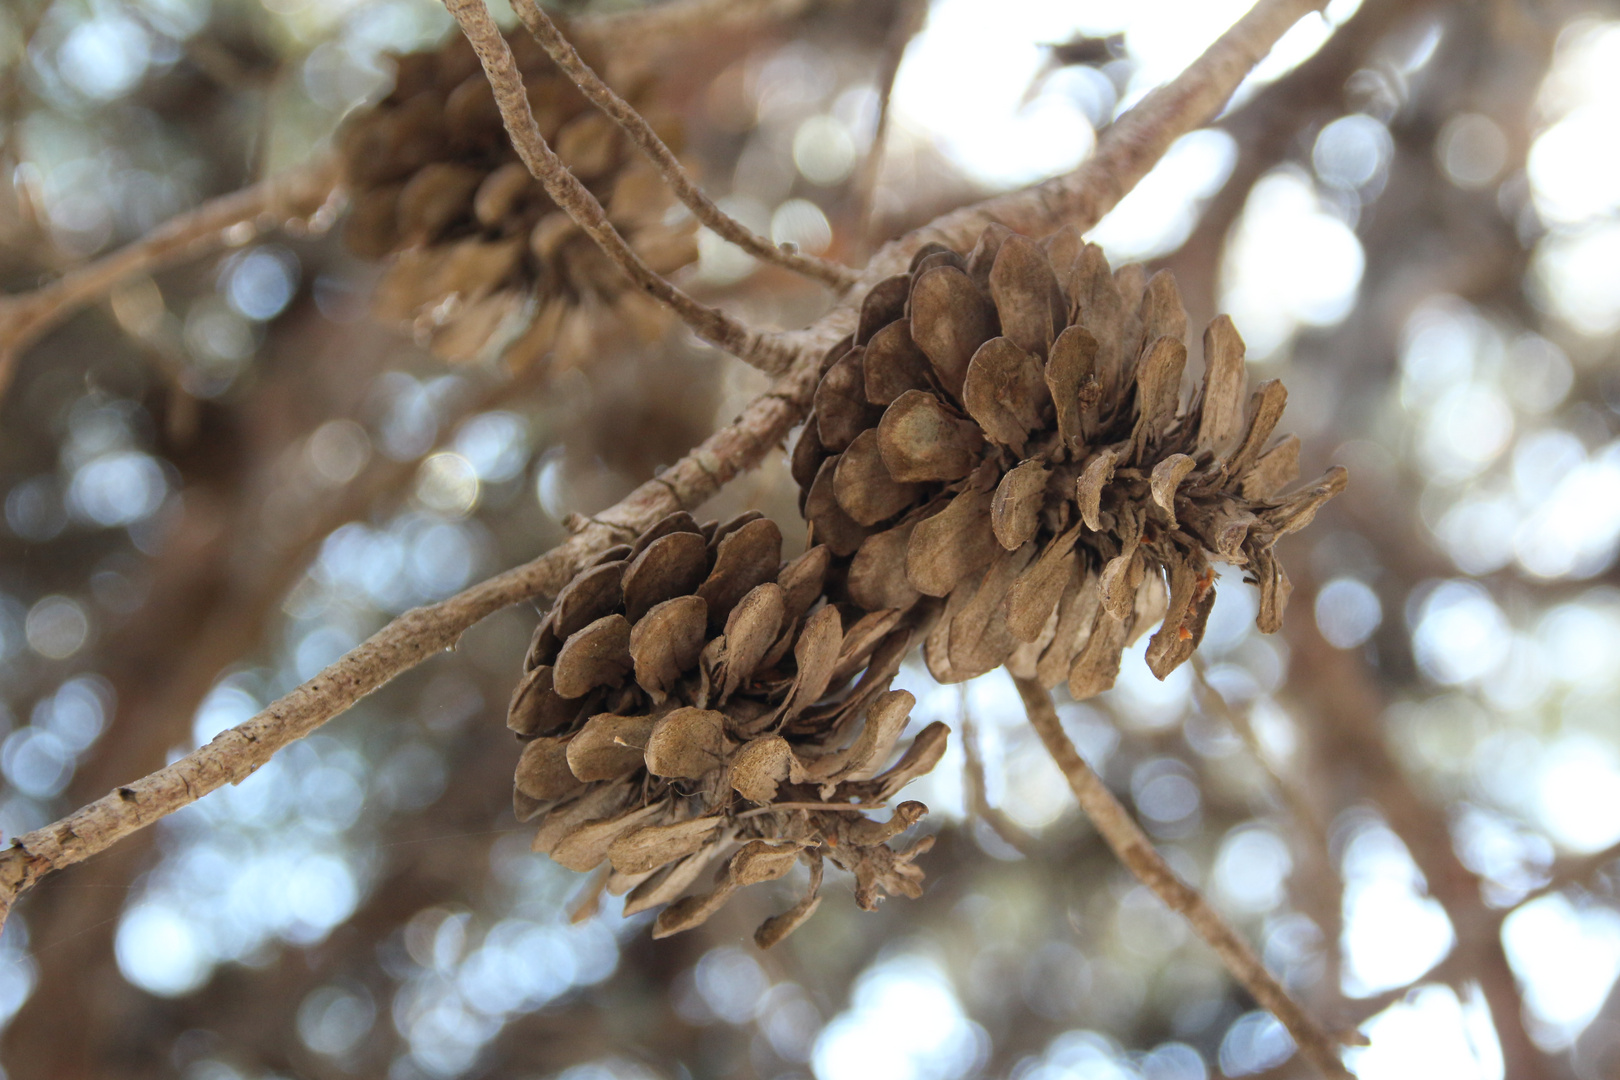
(481, 261)
(1036, 464)
(692, 693)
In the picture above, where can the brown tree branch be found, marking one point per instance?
(1136, 851)
(1125, 154)
(764, 351)
(652, 147)
(1347, 718)
(298, 194)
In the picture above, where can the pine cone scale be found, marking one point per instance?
(658, 743)
(1044, 475)
(949, 319)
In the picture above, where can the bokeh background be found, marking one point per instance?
(229, 473)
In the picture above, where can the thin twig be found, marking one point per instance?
(647, 141)
(1212, 700)
(1136, 851)
(908, 21)
(763, 425)
(763, 351)
(1316, 883)
(296, 195)
(978, 799)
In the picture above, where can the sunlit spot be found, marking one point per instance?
(117, 488)
(1460, 634)
(1428, 1034)
(824, 150)
(496, 444)
(1574, 164)
(338, 450)
(1463, 432)
(1579, 788)
(1472, 150)
(1161, 211)
(983, 123)
(1582, 639)
(159, 951)
(1145, 700)
(447, 483)
(1352, 151)
(1392, 932)
(1251, 870)
(259, 283)
(1575, 274)
(801, 223)
(333, 1019)
(1289, 264)
(904, 1022)
(1255, 1043)
(57, 627)
(1347, 612)
(1568, 957)
(104, 56)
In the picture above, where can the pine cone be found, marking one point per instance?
(482, 261)
(1007, 433)
(680, 690)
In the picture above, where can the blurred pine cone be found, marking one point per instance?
(482, 261)
(692, 693)
(1008, 433)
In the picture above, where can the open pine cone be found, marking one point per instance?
(692, 693)
(1008, 433)
(483, 262)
